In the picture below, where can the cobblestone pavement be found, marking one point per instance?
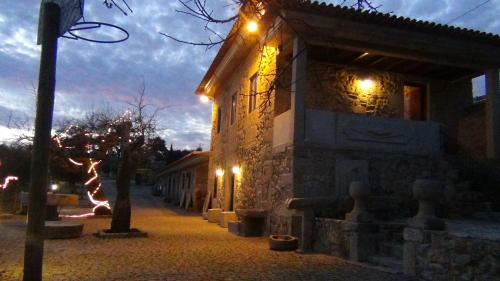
(180, 246)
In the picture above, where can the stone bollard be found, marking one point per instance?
(428, 192)
(358, 226)
(360, 192)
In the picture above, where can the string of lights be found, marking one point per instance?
(93, 177)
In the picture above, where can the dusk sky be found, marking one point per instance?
(97, 76)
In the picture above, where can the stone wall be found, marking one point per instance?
(280, 188)
(335, 88)
(472, 131)
(330, 238)
(265, 178)
(440, 255)
(325, 172)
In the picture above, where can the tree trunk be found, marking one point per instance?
(122, 208)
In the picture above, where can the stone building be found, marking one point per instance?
(319, 96)
(184, 182)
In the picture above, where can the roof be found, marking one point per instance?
(366, 16)
(193, 158)
(348, 13)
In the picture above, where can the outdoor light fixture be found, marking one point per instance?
(54, 187)
(236, 170)
(252, 26)
(204, 99)
(366, 84)
(219, 172)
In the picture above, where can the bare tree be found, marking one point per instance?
(245, 9)
(103, 135)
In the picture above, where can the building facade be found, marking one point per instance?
(321, 96)
(183, 182)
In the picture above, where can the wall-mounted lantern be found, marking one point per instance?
(236, 170)
(219, 172)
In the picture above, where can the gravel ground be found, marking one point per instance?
(180, 246)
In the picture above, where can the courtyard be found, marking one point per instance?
(180, 246)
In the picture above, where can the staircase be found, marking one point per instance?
(389, 250)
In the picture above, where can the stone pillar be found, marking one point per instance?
(412, 238)
(428, 192)
(307, 230)
(360, 239)
(360, 192)
(358, 225)
(493, 114)
(299, 89)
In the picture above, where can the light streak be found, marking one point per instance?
(7, 180)
(74, 162)
(97, 203)
(92, 166)
(91, 180)
(78, 216)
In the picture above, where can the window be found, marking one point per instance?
(234, 101)
(252, 97)
(219, 119)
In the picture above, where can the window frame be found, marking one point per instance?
(219, 119)
(252, 96)
(234, 108)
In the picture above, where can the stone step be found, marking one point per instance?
(234, 227)
(63, 229)
(392, 249)
(388, 262)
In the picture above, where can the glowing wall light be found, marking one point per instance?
(252, 26)
(236, 170)
(204, 99)
(54, 187)
(366, 84)
(219, 172)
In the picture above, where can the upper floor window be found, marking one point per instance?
(219, 119)
(252, 96)
(234, 103)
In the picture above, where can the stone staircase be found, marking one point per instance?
(389, 250)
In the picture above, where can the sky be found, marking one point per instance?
(94, 76)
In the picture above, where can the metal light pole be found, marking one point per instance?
(33, 252)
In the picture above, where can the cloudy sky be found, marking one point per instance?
(97, 76)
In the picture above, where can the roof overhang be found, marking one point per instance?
(389, 41)
(192, 159)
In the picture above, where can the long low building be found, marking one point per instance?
(184, 182)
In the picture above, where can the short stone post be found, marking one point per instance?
(305, 242)
(427, 191)
(358, 226)
(360, 192)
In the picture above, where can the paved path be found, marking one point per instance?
(181, 246)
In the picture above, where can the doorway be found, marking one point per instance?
(415, 98)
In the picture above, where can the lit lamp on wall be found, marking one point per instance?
(252, 26)
(236, 170)
(54, 187)
(366, 84)
(204, 99)
(219, 172)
